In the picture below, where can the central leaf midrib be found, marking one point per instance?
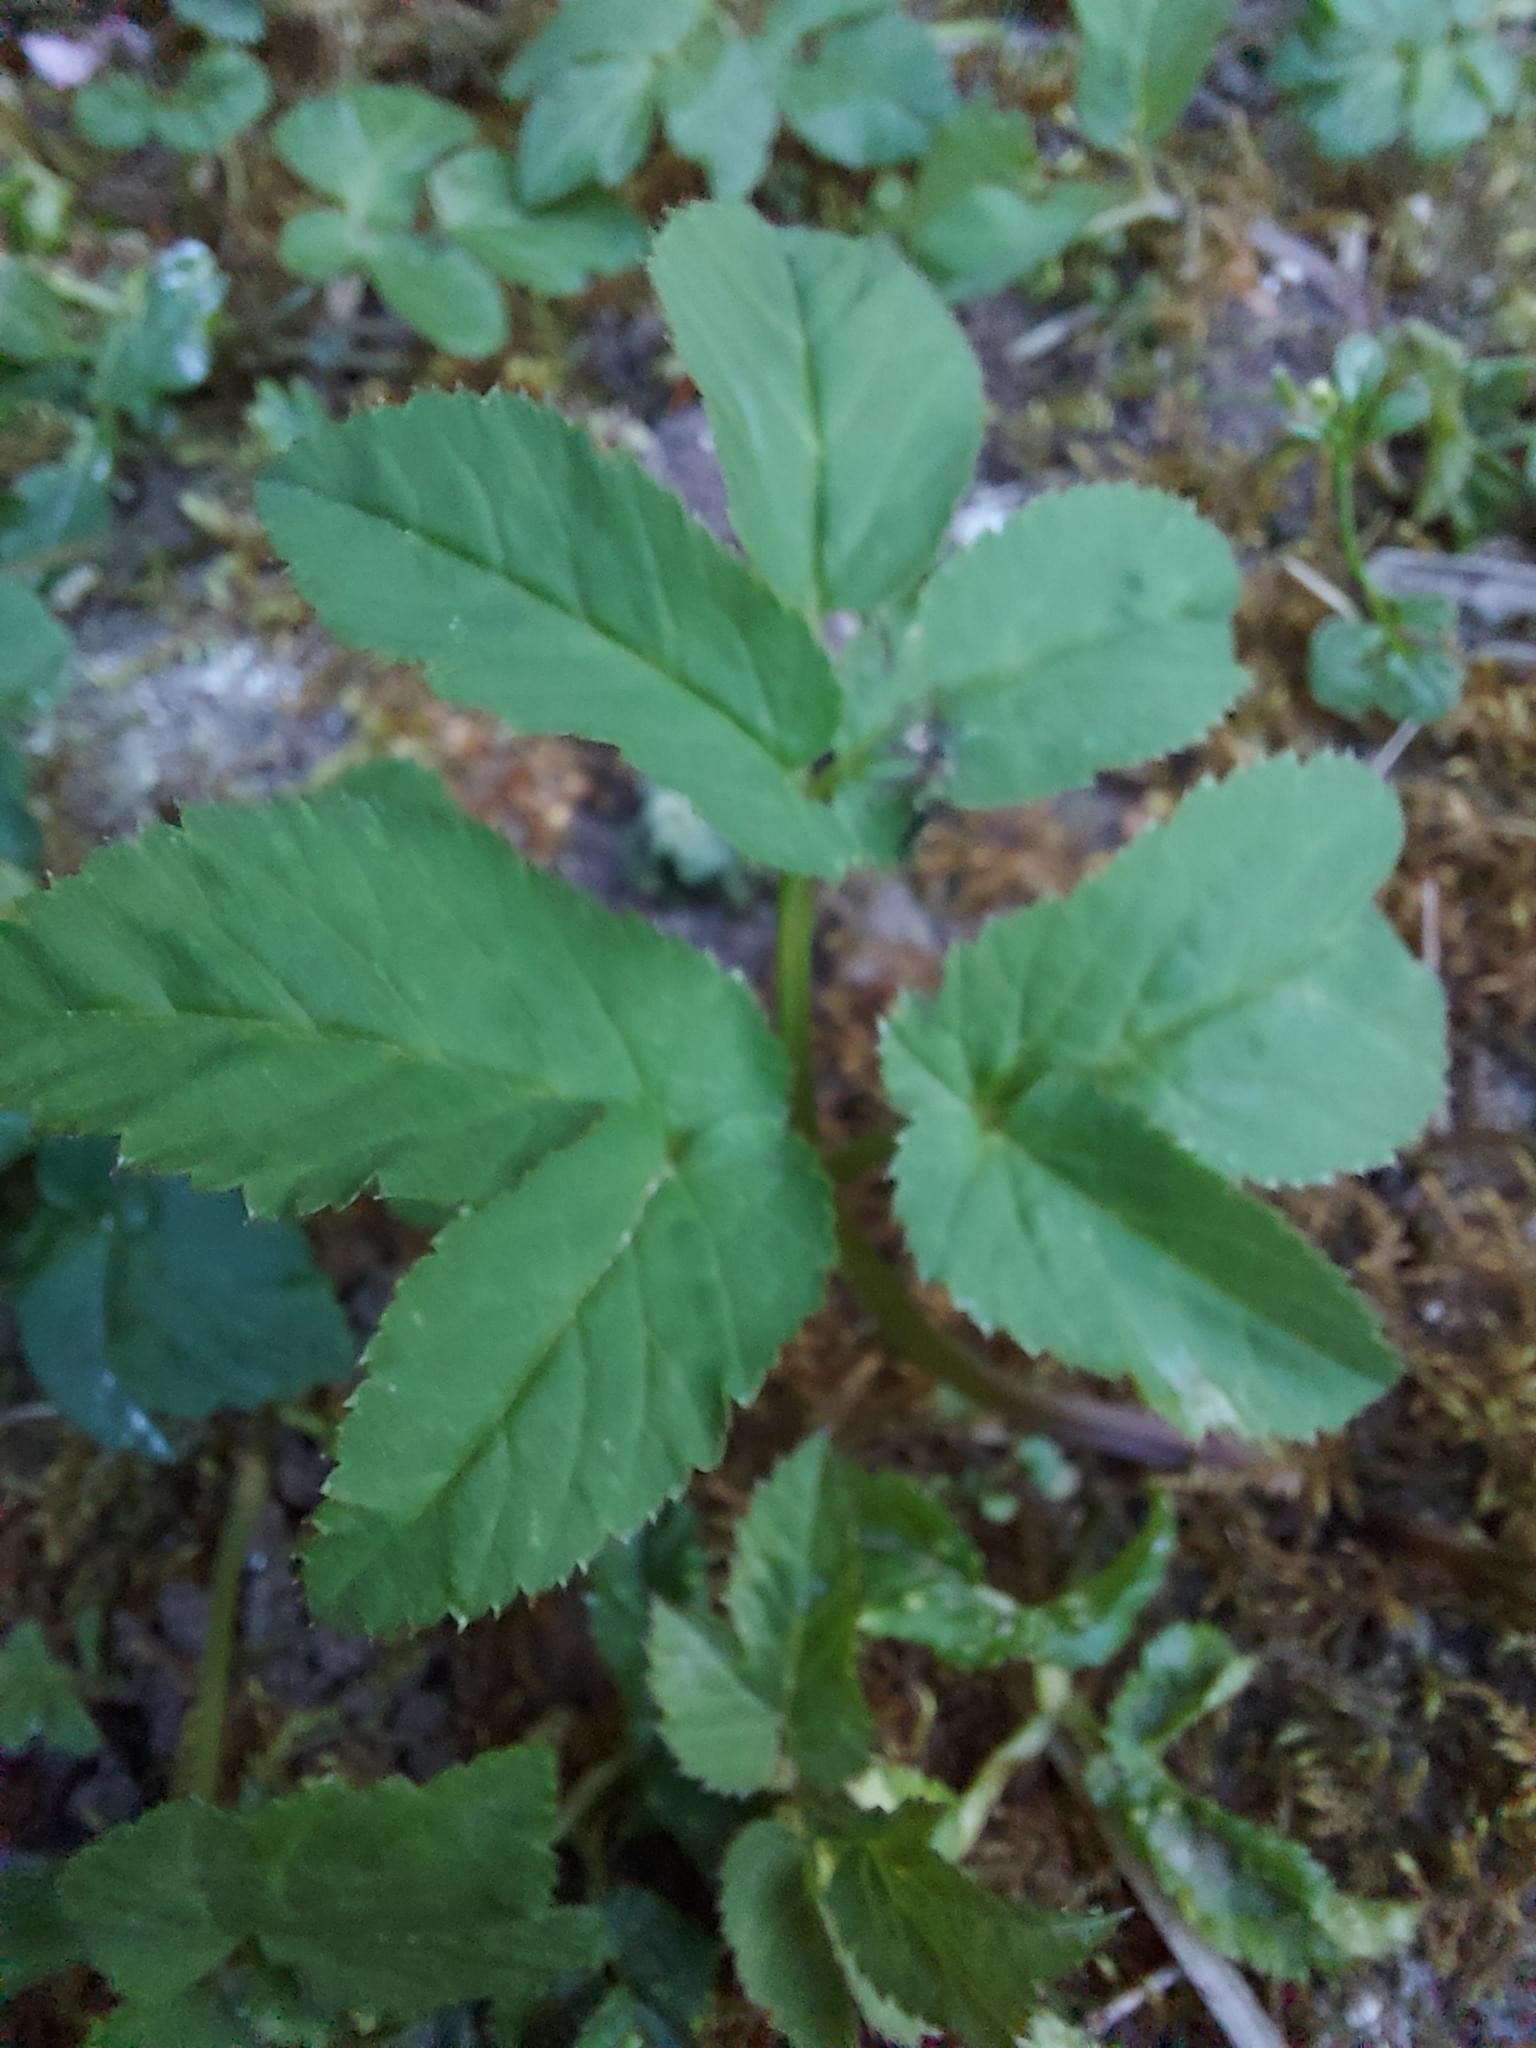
(787, 764)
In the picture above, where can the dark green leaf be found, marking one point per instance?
(37, 1940)
(38, 1700)
(720, 1728)
(784, 1956)
(586, 29)
(35, 653)
(1183, 1674)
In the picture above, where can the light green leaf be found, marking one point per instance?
(221, 92)
(719, 110)
(1183, 1674)
(144, 1297)
(1254, 1894)
(789, 21)
(784, 1957)
(35, 654)
(977, 1627)
(938, 1946)
(1406, 670)
(38, 1701)
(566, 592)
(371, 147)
(994, 237)
(846, 405)
(160, 343)
(232, 21)
(720, 1728)
(1226, 976)
(591, 125)
(871, 94)
(115, 111)
(555, 251)
(794, 1598)
(1093, 631)
(323, 243)
(587, 29)
(1141, 62)
(398, 1898)
(34, 324)
(443, 292)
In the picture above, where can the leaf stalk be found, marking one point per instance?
(197, 1771)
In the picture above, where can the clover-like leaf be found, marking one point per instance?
(869, 93)
(1176, 1002)
(587, 30)
(565, 591)
(371, 147)
(719, 109)
(846, 404)
(557, 249)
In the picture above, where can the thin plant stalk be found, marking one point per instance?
(198, 1768)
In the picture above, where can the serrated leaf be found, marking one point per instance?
(566, 592)
(398, 1898)
(845, 403)
(371, 147)
(722, 1731)
(35, 654)
(664, 1561)
(870, 94)
(1140, 63)
(719, 109)
(936, 1944)
(784, 1957)
(591, 125)
(794, 1596)
(586, 29)
(1183, 1674)
(977, 1627)
(903, 1531)
(1226, 976)
(1254, 1894)
(38, 1700)
(1093, 631)
(443, 292)
(146, 1297)
(476, 200)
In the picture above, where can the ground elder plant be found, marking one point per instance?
(363, 989)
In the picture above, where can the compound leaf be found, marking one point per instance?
(591, 125)
(38, 1701)
(141, 1296)
(398, 1898)
(221, 92)
(443, 292)
(563, 590)
(845, 402)
(1093, 631)
(1226, 976)
(1141, 62)
(371, 147)
(557, 250)
(784, 1956)
(586, 29)
(932, 1942)
(719, 110)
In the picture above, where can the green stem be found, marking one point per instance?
(199, 1754)
(1342, 458)
(792, 992)
(1076, 1420)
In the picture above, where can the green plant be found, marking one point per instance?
(362, 988)
(220, 93)
(1140, 63)
(38, 1698)
(1368, 73)
(1479, 435)
(856, 80)
(1398, 657)
(378, 150)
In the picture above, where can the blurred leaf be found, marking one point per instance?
(35, 654)
(591, 125)
(586, 29)
(282, 414)
(441, 291)
(35, 326)
(1183, 1674)
(871, 94)
(556, 250)
(1140, 64)
(116, 111)
(140, 1296)
(37, 1939)
(56, 505)
(662, 1561)
(1357, 666)
(720, 1729)
(719, 109)
(231, 21)
(371, 147)
(160, 344)
(976, 1627)
(38, 1700)
(221, 93)
(784, 1954)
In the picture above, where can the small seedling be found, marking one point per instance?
(220, 93)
